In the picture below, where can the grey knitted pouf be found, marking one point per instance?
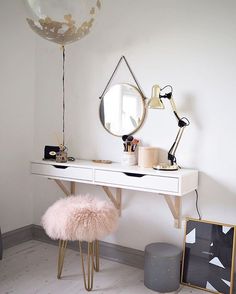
(162, 267)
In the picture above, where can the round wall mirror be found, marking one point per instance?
(122, 110)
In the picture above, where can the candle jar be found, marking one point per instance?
(147, 156)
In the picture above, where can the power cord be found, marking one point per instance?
(199, 215)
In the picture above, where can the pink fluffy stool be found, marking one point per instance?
(82, 218)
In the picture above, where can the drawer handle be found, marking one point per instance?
(135, 175)
(61, 166)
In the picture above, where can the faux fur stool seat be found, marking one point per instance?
(82, 218)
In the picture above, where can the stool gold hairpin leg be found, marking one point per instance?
(88, 278)
(96, 253)
(61, 255)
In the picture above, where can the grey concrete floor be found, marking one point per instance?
(30, 268)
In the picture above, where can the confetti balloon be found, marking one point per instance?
(62, 21)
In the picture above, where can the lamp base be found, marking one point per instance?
(165, 166)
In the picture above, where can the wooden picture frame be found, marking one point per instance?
(208, 256)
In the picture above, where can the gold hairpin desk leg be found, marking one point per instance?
(88, 277)
(61, 255)
(96, 253)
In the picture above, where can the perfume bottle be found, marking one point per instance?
(61, 156)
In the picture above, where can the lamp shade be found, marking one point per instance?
(63, 21)
(155, 102)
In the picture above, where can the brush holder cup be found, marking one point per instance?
(129, 158)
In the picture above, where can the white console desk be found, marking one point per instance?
(171, 184)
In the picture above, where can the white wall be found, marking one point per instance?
(188, 44)
(16, 116)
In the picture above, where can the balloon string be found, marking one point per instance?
(63, 95)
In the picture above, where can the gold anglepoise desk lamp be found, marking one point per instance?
(156, 103)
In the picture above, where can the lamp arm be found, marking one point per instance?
(173, 148)
(172, 103)
(182, 123)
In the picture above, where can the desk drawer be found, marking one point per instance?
(57, 171)
(149, 182)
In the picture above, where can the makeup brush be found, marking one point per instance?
(134, 144)
(135, 141)
(129, 140)
(124, 137)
